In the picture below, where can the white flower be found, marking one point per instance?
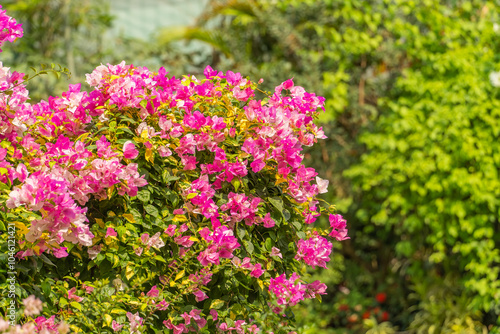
(322, 185)
(32, 306)
(495, 79)
(496, 28)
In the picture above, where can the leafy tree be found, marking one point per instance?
(430, 174)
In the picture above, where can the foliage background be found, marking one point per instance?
(413, 123)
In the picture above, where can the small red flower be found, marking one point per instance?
(366, 315)
(344, 307)
(385, 316)
(381, 297)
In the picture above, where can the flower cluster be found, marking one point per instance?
(178, 187)
(192, 321)
(10, 30)
(290, 291)
(315, 251)
(32, 307)
(221, 242)
(339, 227)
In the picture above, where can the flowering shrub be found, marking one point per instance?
(158, 204)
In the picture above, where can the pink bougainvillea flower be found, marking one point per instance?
(60, 252)
(170, 230)
(200, 295)
(72, 295)
(154, 292)
(276, 252)
(144, 238)
(88, 289)
(110, 232)
(314, 251)
(129, 151)
(10, 30)
(135, 322)
(222, 243)
(339, 227)
(177, 329)
(162, 306)
(116, 326)
(257, 271)
(93, 251)
(195, 315)
(214, 314)
(178, 212)
(138, 251)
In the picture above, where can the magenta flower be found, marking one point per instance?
(200, 295)
(154, 292)
(162, 306)
(178, 329)
(88, 289)
(257, 270)
(314, 251)
(110, 232)
(338, 225)
(170, 230)
(72, 295)
(60, 252)
(195, 315)
(10, 30)
(129, 151)
(222, 243)
(214, 314)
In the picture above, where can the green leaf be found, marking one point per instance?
(47, 260)
(217, 304)
(159, 258)
(249, 246)
(46, 288)
(241, 231)
(277, 202)
(236, 184)
(153, 211)
(167, 178)
(144, 195)
(269, 244)
(286, 214)
(297, 225)
(76, 305)
(63, 302)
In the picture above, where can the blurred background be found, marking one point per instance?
(412, 119)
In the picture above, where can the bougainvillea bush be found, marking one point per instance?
(157, 205)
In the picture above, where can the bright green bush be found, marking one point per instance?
(431, 170)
